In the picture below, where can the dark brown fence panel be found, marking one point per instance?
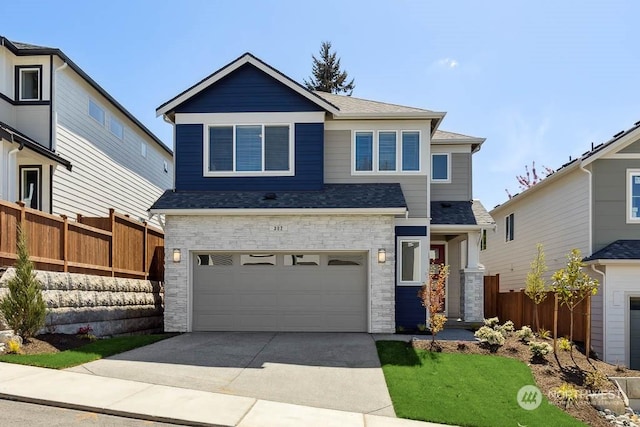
(155, 254)
(9, 220)
(491, 290)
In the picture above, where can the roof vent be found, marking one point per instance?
(270, 196)
(445, 205)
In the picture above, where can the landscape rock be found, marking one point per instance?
(609, 403)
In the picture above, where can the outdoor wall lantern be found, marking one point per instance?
(177, 256)
(382, 256)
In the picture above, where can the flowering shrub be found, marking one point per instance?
(490, 336)
(505, 329)
(540, 349)
(13, 346)
(525, 334)
(86, 332)
(491, 322)
(567, 394)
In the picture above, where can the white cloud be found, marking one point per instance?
(447, 63)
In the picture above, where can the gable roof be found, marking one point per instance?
(13, 135)
(617, 141)
(345, 197)
(247, 58)
(460, 213)
(446, 137)
(618, 250)
(26, 49)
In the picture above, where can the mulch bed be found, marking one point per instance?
(548, 374)
(52, 343)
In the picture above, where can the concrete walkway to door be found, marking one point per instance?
(325, 370)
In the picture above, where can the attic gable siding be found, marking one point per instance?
(308, 163)
(245, 90)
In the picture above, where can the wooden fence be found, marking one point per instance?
(518, 307)
(114, 246)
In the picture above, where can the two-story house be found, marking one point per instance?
(306, 211)
(66, 145)
(593, 204)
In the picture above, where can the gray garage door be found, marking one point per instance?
(280, 292)
(634, 329)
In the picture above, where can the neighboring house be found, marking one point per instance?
(306, 211)
(68, 147)
(593, 204)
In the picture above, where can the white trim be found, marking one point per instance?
(620, 144)
(113, 120)
(206, 172)
(439, 180)
(375, 153)
(104, 111)
(631, 173)
(423, 242)
(627, 324)
(37, 190)
(457, 228)
(38, 70)
(509, 232)
(623, 156)
(245, 59)
(401, 144)
(266, 118)
(449, 149)
(283, 211)
(374, 156)
(614, 261)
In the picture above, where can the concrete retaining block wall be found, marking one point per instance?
(110, 305)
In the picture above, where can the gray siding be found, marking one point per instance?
(337, 170)
(633, 148)
(610, 202)
(453, 282)
(33, 121)
(459, 189)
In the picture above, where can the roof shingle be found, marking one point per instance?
(460, 213)
(349, 104)
(620, 249)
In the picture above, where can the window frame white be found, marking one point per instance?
(509, 227)
(234, 173)
(375, 166)
(23, 169)
(630, 175)
(100, 108)
(21, 70)
(447, 180)
(421, 244)
(112, 121)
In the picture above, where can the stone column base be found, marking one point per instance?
(472, 295)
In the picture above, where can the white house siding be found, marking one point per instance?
(107, 172)
(622, 283)
(33, 121)
(556, 215)
(7, 113)
(254, 233)
(337, 170)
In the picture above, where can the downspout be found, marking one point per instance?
(54, 122)
(173, 125)
(11, 170)
(604, 309)
(588, 172)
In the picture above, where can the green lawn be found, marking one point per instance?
(462, 389)
(87, 353)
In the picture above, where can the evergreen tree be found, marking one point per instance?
(23, 307)
(326, 74)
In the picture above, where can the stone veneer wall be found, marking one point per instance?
(472, 295)
(111, 306)
(299, 232)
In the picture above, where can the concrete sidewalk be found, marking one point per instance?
(170, 404)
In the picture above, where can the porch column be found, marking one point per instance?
(472, 281)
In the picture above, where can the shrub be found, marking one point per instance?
(525, 334)
(491, 322)
(23, 307)
(505, 329)
(544, 334)
(567, 393)
(13, 346)
(422, 327)
(462, 346)
(539, 349)
(564, 344)
(490, 336)
(596, 381)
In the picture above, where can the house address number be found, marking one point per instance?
(278, 228)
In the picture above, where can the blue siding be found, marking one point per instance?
(411, 231)
(309, 152)
(409, 310)
(247, 89)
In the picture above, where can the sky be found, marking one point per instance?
(539, 80)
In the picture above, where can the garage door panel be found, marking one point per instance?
(280, 297)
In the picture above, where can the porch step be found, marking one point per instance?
(461, 324)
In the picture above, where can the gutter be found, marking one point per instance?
(282, 211)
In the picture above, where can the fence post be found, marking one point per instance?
(555, 322)
(145, 249)
(65, 243)
(23, 213)
(112, 218)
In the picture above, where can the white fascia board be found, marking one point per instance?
(245, 59)
(623, 142)
(614, 261)
(275, 211)
(456, 228)
(242, 118)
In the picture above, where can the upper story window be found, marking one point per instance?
(379, 151)
(96, 111)
(483, 240)
(249, 150)
(440, 167)
(508, 227)
(143, 149)
(29, 83)
(116, 127)
(633, 195)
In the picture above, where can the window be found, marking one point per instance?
(440, 167)
(259, 259)
(249, 149)
(411, 151)
(30, 186)
(143, 149)
(345, 259)
(387, 157)
(96, 111)
(301, 260)
(483, 240)
(410, 261)
(508, 227)
(29, 83)
(116, 127)
(633, 195)
(379, 151)
(364, 151)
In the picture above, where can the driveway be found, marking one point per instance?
(326, 370)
